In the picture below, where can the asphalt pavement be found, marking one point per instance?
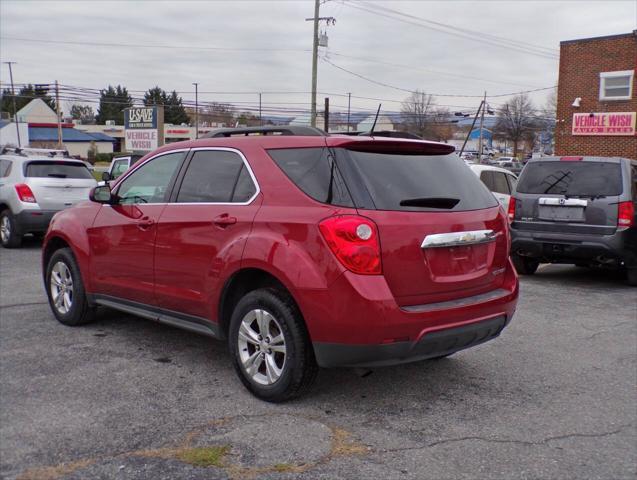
(125, 398)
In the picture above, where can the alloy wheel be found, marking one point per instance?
(5, 229)
(262, 348)
(61, 287)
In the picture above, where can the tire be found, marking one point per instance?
(63, 283)
(524, 265)
(281, 373)
(9, 236)
(631, 277)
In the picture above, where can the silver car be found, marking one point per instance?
(34, 185)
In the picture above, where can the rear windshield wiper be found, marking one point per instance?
(56, 175)
(431, 202)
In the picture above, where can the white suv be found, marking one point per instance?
(34, 185)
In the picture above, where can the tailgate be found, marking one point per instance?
(431, 257)
(59, 193)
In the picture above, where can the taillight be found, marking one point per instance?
(354, 242)
(511, 212)
(625, 214)
(24, 193)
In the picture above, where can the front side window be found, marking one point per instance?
(150, 182)
(616, 85)
(119, 166)
(216, 176)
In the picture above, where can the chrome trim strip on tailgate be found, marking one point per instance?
(563, 202)
(461, 302)
(458, 239)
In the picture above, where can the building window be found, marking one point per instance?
(616, 85)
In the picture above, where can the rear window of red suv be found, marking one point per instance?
(385, 181)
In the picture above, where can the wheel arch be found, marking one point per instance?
(241, 283)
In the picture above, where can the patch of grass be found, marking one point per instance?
(282, 467)
(204, 456)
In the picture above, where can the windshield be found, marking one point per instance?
(571, 178)
(57, 169)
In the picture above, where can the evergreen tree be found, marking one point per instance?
(24, 96)
(174, 111)
(113, 101)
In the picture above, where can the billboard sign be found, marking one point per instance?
(604, 123)
(144, 128)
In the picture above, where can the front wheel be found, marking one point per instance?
(65, 290)
(525, 265)
(270, 347)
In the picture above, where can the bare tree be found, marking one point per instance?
(517, 121)
(216, 112)
(418, 113)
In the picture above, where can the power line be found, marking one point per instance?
(433, 94)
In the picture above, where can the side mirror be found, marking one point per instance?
(101, 194)
(106, 176)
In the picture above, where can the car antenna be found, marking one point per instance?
(371, 130)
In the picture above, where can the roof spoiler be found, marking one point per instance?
(269, 130)
(399, 147)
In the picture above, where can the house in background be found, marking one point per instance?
(9, 134)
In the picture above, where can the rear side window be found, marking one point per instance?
(315, 171)
(5, 168)
(495, 181)
(392, 179)
(216, 176)
(57, 169)
(575, 178)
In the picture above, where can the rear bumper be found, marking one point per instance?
(33, 221)
(357, 322)
(433, 344)
(570, 248)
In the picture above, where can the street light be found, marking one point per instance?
(196, 109)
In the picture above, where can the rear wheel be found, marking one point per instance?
(270, 346)
(9, 236)
(525, 265)
(65, 290)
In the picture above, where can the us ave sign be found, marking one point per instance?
(144, 128)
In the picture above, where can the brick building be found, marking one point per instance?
(597, 97)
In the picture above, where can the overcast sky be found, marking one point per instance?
(265, 45)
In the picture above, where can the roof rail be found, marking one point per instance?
(269, 130)
(25, 151)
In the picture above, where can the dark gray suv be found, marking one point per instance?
(578, 210)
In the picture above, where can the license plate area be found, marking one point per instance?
(562, 209)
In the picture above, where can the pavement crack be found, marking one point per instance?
(28, 304)
(513, 441)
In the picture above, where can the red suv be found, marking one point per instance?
(302, 251)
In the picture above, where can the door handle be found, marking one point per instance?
(145, 223)
(224, 220)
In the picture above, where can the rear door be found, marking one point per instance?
(442, 233)
(569, 195)
(203, 230)
(58, 184)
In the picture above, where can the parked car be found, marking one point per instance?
(500, 181)
(577, 210)
(300, 251)
(119, 165)
(34, 186)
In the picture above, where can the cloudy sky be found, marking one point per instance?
(454, 49)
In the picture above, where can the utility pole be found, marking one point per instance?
(196, 109)
(314, 62)
(327, 114)
(484, 106)
(475, 118)
(349, 103)
(260, 117)
(57, 108)
(315, 44)
(15, 111)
